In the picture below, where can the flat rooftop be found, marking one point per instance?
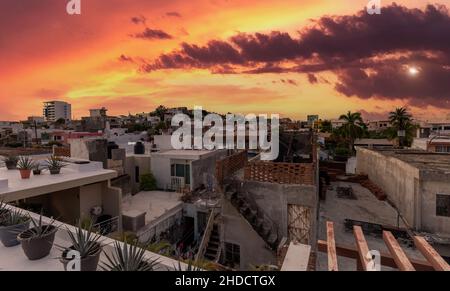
(366, 208)
(186, 154)
(420, 159)
(13, 259)
(74, 175)
(154, 203)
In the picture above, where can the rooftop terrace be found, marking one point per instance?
(12, 187)
(422, 160)
(13, 259)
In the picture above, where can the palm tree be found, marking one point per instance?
(353, 127)
(401, 121)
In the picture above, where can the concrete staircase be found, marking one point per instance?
(212, 250)
(260, 222)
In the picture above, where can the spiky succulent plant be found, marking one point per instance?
(25, 163)
(128, 257)
(85, 240)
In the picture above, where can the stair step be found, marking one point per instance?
(273, 237)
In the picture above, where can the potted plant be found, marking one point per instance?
(11, 224)
(25, 165)
(54, 165)
(128, 257)
(3, 211)
(86, 243)
(37, 241)
(37, 169)
(11, 162)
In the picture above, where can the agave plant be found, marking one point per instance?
(191, 266)
(85, 240)
(3, 210)
(55, 164)
(14, 217)
(25, 163)
(39, 229)
(10, 162)
(128, 257)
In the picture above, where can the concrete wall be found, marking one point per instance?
(112, 201)
(160, 168)
(90, 149)
(90, 196)
(144, 162)
(432, 184)
(274, 199)
(412, 191)
(203, 170)
(398, 179)
(237, 230)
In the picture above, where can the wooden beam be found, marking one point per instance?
(386, 258)
(438, 263)
(331, 247)
(397, 253)
(363, 248)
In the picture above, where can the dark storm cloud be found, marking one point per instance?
(152, 34)
(173, 14)
(347, 45)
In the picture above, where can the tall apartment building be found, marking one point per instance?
(54, 110)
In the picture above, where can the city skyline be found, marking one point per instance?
(293, 58)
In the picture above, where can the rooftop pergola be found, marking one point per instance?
(396, 258)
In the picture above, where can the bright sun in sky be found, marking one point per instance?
(413, 71)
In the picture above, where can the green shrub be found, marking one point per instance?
(342, 152)
(148, 182)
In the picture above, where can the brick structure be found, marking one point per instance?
(230, 165)
(280, 173)
(61, 151)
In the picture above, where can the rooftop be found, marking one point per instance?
(13, 259)
(186, 154)
(366, 208)
(421, 159)
(74, 175)
(154, 203)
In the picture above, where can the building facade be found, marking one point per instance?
(54, 110)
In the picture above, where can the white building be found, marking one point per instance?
(54, 110)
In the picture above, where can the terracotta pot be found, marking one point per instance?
(87, 264)
(25, 174)
(37, 248)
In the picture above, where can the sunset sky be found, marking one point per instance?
(291, 57)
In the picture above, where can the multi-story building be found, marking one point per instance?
(54, 110)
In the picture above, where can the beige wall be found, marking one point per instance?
(90, 196)
(395, 177)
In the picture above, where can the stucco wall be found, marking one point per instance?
(160, 167)
(203, 170)
(274, 199)
(399, 180)
(144, 163)
(90, 196)
(432, 184)
(237, 230)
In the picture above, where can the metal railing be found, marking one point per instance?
(206, 236)
(177, 183)
(108, 226)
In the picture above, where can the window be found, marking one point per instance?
(442, 149)
(181, 170)
(232, 255)
(443, 205)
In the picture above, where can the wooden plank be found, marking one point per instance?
(397, 253)
(331, 247)
(363, 248)
(386, 258)
(438, 263)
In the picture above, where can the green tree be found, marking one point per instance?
(148, 182)
(326, 126)
(401, 121)
(353, 127)
(160, 111)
